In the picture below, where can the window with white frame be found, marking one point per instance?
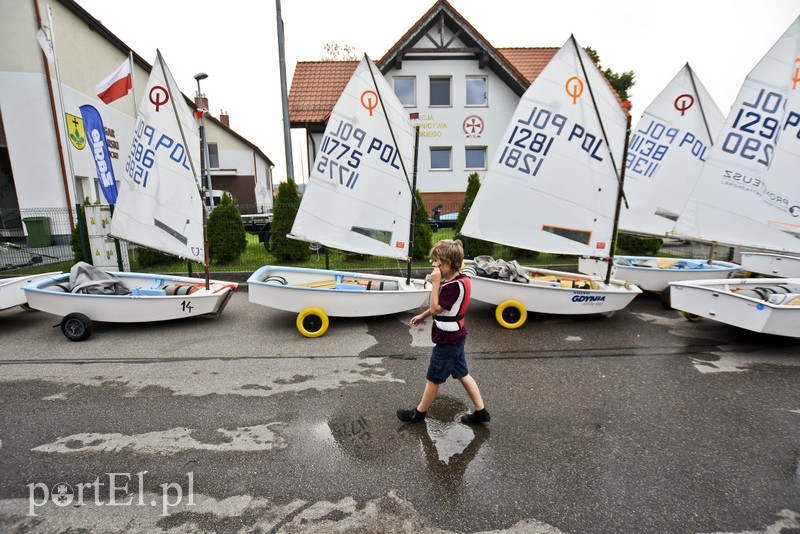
(213, 156)
(475, 157)
(476, 91)
(405, 87)
(441, 158)
(440, 93)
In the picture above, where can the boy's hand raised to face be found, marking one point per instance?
(436, 276)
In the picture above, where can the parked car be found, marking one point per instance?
(258, 224)
(439, 220)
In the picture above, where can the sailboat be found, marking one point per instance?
(748, 195)
(11, 293)
(160, 206)
(771, 264)
(665, 157)
(554, 186)
(358, 199)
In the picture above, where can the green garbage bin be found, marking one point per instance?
(38, 231)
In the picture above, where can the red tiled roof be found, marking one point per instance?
(529, 61)
(316, 86)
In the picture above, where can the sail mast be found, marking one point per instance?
(600, 120)
(710, 141)
(191, 164)
(413, 206)
(620, 175)
(620, 195)
(412, 187)
(389, 124)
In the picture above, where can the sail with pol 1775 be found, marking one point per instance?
(159, 202)
(358, 197)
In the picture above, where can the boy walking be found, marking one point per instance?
(448, 303)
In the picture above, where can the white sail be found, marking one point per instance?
(159, 204)
(666, 154)
(358, 197)
(748, 192)
(552, 185)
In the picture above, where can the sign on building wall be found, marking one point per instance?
(473, 126)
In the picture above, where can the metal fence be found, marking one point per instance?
(31, 239)
(43, 239)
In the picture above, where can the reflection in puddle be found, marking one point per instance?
(449, 445)
(449, 439)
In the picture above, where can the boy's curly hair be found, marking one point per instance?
(449, 250)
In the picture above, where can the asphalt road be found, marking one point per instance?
(641, 422)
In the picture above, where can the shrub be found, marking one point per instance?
(423, 235)
(516, 253)
(75, 239)
(287, 202)
(472, 247)
(146, 257)
(227, 238)
(637, 245)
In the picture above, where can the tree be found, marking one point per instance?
(621, 82)
(472, 247)
(423, 235)
(287, 202)
(227, 238)
(339, 52)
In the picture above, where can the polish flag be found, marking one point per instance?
(116, 85)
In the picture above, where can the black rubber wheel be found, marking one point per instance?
(76, 327)
(666, 298)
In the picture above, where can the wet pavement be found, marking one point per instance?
(641, 422)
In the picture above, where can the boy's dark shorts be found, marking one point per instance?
(447, 360)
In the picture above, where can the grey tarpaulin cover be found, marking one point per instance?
(85, 278)
(501, 269)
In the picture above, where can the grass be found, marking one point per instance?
(256, 256)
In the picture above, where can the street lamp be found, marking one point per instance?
(201, 112)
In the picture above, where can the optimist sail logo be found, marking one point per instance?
(574, 88)
(369, 100)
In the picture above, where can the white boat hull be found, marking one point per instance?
(150, 306)
(11, 293)
(778, 265)
(655, 274)
(296, 289)
(734, 302)
(549, 292)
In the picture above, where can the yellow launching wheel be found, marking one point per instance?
(27, 308)
(691, 317)
(312, 322)
(511, 314)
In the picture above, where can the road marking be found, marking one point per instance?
(243, 377)
(789, 520)
(172, 441)
(729, 362)
(387, 513)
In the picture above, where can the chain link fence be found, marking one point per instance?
(47, 239)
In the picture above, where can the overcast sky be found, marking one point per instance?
(235, 42)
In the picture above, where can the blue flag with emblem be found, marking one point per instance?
(96, 139)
